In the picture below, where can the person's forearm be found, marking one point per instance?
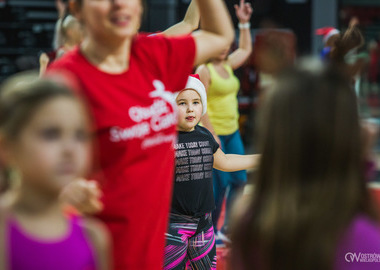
(189, 23)
(239, 56)
(233, 162)
(245, 40)
(216, 19)
(192, 15)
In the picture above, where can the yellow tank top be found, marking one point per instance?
(222, 103)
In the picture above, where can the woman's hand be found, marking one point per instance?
(243, 11)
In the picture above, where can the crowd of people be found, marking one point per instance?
(118, 157)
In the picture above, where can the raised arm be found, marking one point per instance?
(189, 23)
(233, 162)
(44, 61)
(240, 55)
(57, 38)
(217, 31)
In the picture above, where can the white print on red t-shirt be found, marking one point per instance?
(139, 114)
(158, 139)
(165, 95)
(150, 120)
(123, 134)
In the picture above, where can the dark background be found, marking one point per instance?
(27, 26)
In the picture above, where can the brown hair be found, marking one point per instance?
(21, 95)
(310, 183)
(352, 38)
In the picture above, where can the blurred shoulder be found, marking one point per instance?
(362, 235)
(69, 59)
(96, 231)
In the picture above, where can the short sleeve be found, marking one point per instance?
(181, 54)
(176, 59)
(213, 143)
(64, 76)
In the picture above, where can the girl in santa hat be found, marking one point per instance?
(190, 240)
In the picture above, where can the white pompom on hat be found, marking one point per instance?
(194, 83)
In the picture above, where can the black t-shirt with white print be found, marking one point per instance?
(193, 189)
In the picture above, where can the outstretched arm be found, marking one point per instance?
(189, 23)
(61, 8)
(233, 162)
(217, 32)
(240, 55)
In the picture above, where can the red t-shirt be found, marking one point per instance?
(135, 121)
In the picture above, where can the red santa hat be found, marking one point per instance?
(194, 83)
(327, 32)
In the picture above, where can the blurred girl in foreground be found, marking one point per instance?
(310, 208)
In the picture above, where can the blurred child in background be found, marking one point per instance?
(341, 47)
(71, 32)
(45, 142)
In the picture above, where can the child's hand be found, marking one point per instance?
(44, 59)
(353, 22)
(243, 11)
(84, 196)
(61, 8)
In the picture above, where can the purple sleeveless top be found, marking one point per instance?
(70, 252)
(359, 248)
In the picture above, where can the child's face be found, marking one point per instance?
(189, 110)
(53, 148)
